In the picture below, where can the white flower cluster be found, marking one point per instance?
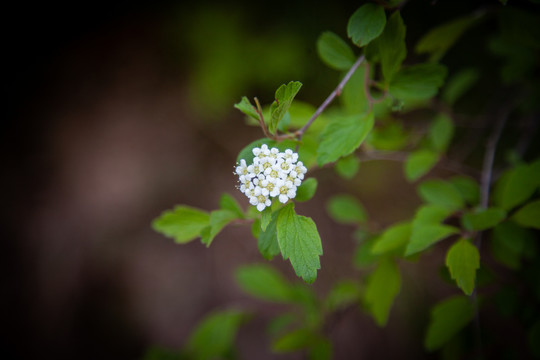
(272, 174)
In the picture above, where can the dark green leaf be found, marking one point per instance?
(347, 166)
(459, 84)
(447, 319)
(279, 323)
(468, 188)
(247, 108)
(300, 242)
(392, 46)
(353, 96)
(342, 136)
(393, 238)
(482, 219)
(266, 217)
(267, 241)
(335, 52)
(293, 341)
(463, 259)
(321, 349)
(417, 82)
(419, 163)
(227, 202)
(366, 24)
(283, 98)
(346, 209)
(508, 243)
(425, 235)
(441, 132)
(528, 215)
(306, 190)
(263, 282)
(382, 288)
(515, 186)
(183, 224)
(391, 136)
(343, 294)
(441, 193)
(218, 220)
(363, 257)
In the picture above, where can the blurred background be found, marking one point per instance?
(119, 110)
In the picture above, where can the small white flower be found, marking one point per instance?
(242, 168)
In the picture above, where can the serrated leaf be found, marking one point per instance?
(266, 217)
(342, 136)
(441, 132)
(392, 47)
(183, 223)
(335, 52)
(441, 38)
(343, 293)
(467, 187)
(366, 24)
(447, 319)
(425, 235)
(528, 215)
(263, 282)
(440, 193)
(515, 186)
(284, 96)
(218, 220)
(347, 166)
(247, 108)
(462, 260)
(214, 335)
(227, 202)
(393, 238)
(459, 84)
(417, 82)
(299, 242)
(419, 163)
(346, 209)
(382, 288)
(482, 219)
(267, 241)
(306, 190)
(247, 152)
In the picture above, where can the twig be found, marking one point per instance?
(261, 119)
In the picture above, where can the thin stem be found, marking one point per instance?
(261, 120)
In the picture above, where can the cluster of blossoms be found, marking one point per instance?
(272, 174)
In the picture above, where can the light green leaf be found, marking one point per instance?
(462, 260)
(353, 97)
(441, 193)
(419, 163)
(363, 257)
(267, 241)
(441, 132)
(441, 38)
(335, 52)
(482, 219)
(431, 214)
(263, 282)
(417, 82)
(393, 238)
(227, 202)
(342, 136)
(343, 293)
(346, 209)
(214, 335)
(459, 84)
(306, 190)
(347, 166)
(447, 319)
(183, 224)
(266, 217)
(425, 235)
(366, 24)
(218, 220)
(468, 188)
(382, 288)
(283, 98)
(247, 152)
(300, 242)
(515, 186)
(528, 215)
(247, 108)
(392, 47)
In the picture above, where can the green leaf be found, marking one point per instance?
(353, 96)
(482, 219)
(218, 220)
(393, 238)
(417, 82)
(267, 241)
(425, 235)
(347, 166)
(335, 52)
(247, 152)
(431, 214)
(392, 47)
(441, 193)
(366, 24)
(382, 288)
(342, 136)
(468, 188)
(183, 224)
(515, 186)
(214, 335)
(279, 323)
(227, 202)
(419, 163)
(283, 98)
(343, 294)
(266, 217)
(306, 190)
(247, 108)
(321, 349)
(293, 341)
(528, 215)
(446, 320)
(441, 132)
(300, 242)
(346, 209)
(459, 84)
(441, 38)
(263, 282)
(390, 136)
(363, 257)
(508, 243)
(462, 260)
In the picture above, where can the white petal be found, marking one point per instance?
(261, 206)
(283, 198)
